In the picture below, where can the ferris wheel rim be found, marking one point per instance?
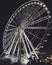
(11, 16)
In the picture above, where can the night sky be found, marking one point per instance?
(7, 7)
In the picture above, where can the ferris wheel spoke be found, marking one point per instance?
(9, 49)
(34, 12)
(32, 38)
(13, 29)
(31, 46)
(36, 28)
(40, 13)
(34, 35)
(9, 34)
(31, 14)
(8, 39)
(24, 12)
(9, 42)
(14, 22)
(27, 39)
(37, 32)
(12, 25)
(38, 46)
(25, 46)
(19, 45)
(8, 31)
(20, 16)
(28, 45)
(15, 46)
(28, 10)
(18, 50)
(39, 20)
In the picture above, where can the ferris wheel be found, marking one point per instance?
(25, 32)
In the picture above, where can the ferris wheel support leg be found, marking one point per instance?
(31, 45)
(18, 51)
(28, 45)
(25, 46)
(15, 46)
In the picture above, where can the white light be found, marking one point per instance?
(14, 59)
(11, 19)
(41, 4)
(24, 60)
(20, 9)
(6, 56)
(28, 3)
(46, 8)
(31, 3)
(33, 57)
(38, 3)
(49, 16)
(48, 12)
(44, 5)
(34, 2)
(23, 7)
(48, 34)
(45, 40)
(13, 16)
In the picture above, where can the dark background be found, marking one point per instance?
(7, 7)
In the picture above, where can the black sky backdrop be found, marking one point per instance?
(7, 7)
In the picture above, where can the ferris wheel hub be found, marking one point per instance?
(20, 30)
